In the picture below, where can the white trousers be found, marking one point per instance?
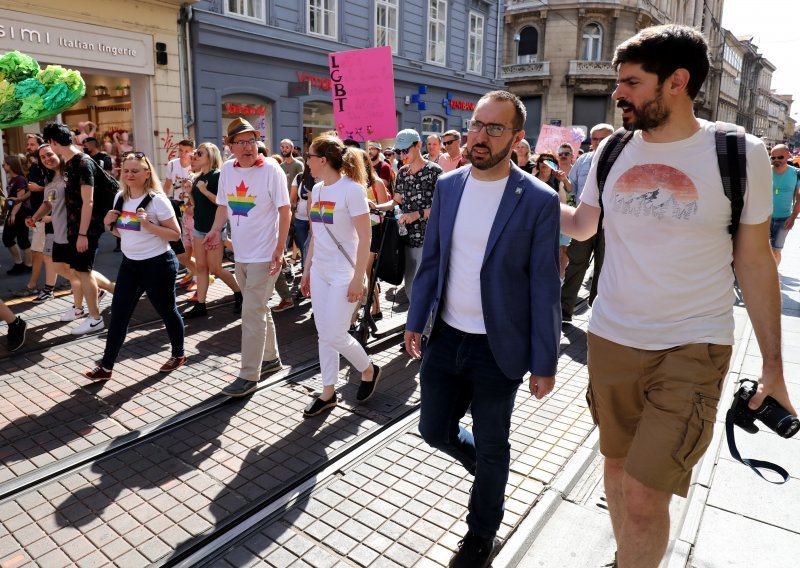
(332, 313)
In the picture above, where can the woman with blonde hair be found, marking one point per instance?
(206, 162)
(145, 221)
(335, 272)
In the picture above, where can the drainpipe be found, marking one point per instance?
(185, 57)
(497, 55)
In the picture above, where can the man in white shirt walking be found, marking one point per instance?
(253, 195)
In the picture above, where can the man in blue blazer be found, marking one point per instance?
(487, 295)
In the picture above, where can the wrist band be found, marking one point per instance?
(81, 235)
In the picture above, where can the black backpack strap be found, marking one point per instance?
(732, 159)
(118, 204)
(611, 151)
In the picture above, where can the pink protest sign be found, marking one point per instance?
(551, 137)
(362, 85)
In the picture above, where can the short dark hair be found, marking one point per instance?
(520, 114)
(91, 140)
(58, 133)
(38, 137)
(350, 143)
(664, 49)
(188, 142)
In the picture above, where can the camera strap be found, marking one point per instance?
(752, 464)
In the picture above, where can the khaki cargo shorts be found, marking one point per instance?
(656, 409)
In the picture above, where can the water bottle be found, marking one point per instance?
(402, 230)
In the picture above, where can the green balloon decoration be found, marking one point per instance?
(29, 94)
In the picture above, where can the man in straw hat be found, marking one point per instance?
(253, 195)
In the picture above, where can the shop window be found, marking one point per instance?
(386, 18)
(249, 9)
(592, 43)
(432, 125)
(437, 31)
(322, 18)
(475, 47)
(527, 45)
(256, 110)
(317, 118)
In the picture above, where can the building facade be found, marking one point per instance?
(128, 54)
(557, 54)
(732, 60)
(268, 61)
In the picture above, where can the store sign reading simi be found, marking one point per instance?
(76, 44)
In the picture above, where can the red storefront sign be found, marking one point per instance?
(461, 105)
(236, 109)
(322, 83)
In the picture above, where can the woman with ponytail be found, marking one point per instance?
(338, 253)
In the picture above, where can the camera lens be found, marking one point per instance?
(778, 418)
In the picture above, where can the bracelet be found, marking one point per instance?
(81, 235)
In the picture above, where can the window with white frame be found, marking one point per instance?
(437, 32)
(322, 18)
(527, 45)
(592, 43)
(250, 9)
(432, 125)
(475, 47)
(386, 18)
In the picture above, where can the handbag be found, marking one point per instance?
(392, 258)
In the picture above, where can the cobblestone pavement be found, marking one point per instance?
(397, 504)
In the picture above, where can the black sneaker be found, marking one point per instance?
(367, 388)
(237, 302)
(16, 334)
(318, 406)
(197, 311)
(18, 268)
(473, 552)
(269, 367)
(240, 387)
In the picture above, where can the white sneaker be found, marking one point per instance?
(72, 314)
(88, 325)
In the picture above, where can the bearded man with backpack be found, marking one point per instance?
(88, 195)
(661, 329)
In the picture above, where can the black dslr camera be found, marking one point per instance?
(771, 413)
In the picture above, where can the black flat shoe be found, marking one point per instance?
(367, 388)
(318, 405)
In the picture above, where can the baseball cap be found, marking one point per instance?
(405, 138)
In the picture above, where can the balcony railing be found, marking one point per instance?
(597, 69)
(527, 70)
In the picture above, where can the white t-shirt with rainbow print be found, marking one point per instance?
(253, 196)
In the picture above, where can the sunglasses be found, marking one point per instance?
(564, 154)
(448, 142)
(137, 155)
(777, 157)
(402, 152)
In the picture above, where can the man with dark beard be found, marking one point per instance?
(661, 330)
(489, 284)
(290, 165)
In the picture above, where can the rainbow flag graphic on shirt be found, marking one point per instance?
(322, 212)
(241, 203)
(128, 221)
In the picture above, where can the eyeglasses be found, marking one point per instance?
(310, 155)
(564, 154)
(493, 130)
(777, 157)
(448, 142)
(243, 143)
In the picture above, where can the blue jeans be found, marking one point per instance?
(156, 277)
(301, 231)
(459, 371)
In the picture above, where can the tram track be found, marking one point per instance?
(39, 477)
